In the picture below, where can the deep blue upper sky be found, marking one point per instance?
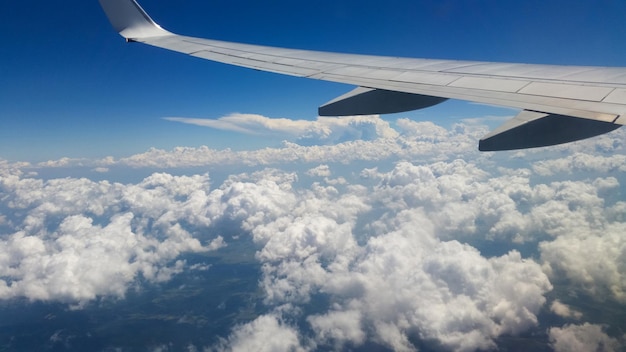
(70, 86)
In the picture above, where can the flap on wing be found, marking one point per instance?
(368, 101)
(530, 129)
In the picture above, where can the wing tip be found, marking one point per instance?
(130, 20)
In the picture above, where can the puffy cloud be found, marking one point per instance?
(265, 333)
(84, 261)
(581, 162)
(586, 337)
(345, 152)
(564, 310)
(75, 240)
(339, 327)
(410, 283)
(592, 259)
(390, 255)
(12, 169)
(59, 163)
(402, 281)
(319, 171)
(445, 292)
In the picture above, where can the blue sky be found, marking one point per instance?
(71, 86)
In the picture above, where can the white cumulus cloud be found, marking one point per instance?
(426, 242)
(564, 310)
(585, 337)
(75, 240)
(266, 333)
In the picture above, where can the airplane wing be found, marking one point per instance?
(558, 104)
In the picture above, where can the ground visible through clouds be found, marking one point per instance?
(356, 234)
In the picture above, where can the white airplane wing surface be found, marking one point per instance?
(558, 104)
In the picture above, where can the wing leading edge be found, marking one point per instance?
(559, 103)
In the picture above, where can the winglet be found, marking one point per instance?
(130, 20)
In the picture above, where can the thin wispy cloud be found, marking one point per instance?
(323, 130)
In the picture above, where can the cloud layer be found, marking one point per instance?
(74, 240)
(451, 253)
(327, 140)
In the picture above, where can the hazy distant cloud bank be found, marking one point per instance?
(396, 250)
(364, 138)
(327, 140)
(332, 140)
